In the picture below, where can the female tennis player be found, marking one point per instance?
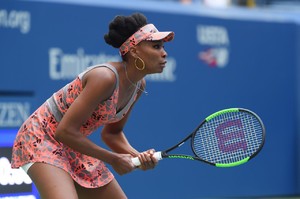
(52, 144)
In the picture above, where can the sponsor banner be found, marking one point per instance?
(66, 66)
(15, 108)
(13, 114)
(15, 19)
(14, 183)
(12, 180)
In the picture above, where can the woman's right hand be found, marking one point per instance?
(122, 163)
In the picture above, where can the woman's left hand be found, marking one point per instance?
(147, 160)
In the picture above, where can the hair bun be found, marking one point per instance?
(122, 27)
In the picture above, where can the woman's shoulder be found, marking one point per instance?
(101, 75)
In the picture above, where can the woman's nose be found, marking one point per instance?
(164, 53)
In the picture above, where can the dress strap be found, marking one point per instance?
(107, 65)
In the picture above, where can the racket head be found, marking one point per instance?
(229, 137)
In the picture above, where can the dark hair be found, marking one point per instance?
(122, 27)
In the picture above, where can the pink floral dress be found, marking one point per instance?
(35, 140)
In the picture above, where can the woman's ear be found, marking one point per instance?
(133, 52)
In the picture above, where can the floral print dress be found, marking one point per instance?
(35, 140)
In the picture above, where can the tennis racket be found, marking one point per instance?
(227, 138)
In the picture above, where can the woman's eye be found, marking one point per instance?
(158, 46)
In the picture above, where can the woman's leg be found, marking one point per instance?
(112, 191)
(52, 182)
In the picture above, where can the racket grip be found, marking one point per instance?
(137, 162)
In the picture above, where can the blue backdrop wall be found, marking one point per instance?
(219, 59)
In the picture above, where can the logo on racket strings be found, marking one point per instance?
(231, 137)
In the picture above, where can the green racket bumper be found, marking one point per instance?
(234, 163)
(221, 112)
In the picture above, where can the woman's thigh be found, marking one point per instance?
(112, 191)
(52, 182)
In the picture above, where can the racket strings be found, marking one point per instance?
(228, 138)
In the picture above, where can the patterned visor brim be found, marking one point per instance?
(148, 32)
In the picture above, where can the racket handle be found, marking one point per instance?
(137, 162)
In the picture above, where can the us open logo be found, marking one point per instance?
(215, 44)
